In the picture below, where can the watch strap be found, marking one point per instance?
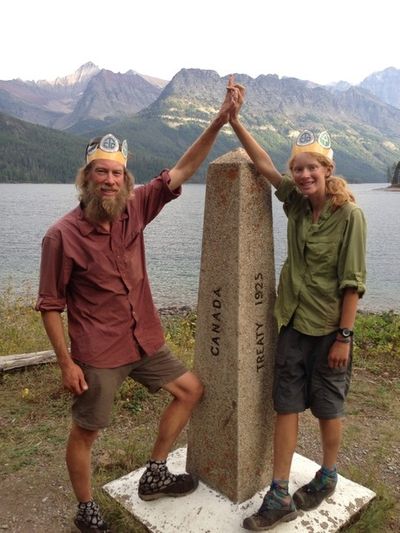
(345, 340)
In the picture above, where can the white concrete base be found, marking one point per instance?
(207, 511)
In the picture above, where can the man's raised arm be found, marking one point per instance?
(196, 154)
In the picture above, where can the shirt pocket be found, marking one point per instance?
(99, 271)
(321, 254)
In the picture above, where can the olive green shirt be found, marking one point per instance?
(323, 259)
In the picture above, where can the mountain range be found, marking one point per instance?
(160, 119)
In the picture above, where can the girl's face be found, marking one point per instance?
(309, 174)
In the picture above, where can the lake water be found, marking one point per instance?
(173, 240)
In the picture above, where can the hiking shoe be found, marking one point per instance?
(84, 528)
(311, 495)
(89, 520)
(173, 486)
(268, 519)
(269, 515)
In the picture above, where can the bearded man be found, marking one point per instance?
(93, 264)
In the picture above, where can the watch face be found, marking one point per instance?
(346, 332)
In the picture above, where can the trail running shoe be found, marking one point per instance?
(311, 495)
(173, 486)
(269, 515)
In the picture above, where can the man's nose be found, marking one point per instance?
(110, 177)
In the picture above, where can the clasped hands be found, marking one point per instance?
(234, 99)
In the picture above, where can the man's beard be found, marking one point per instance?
(102, 209)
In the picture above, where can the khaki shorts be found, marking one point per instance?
(303, 379)
(92, 409)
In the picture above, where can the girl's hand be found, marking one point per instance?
(229, 104)
(237, 91)
(339, 354)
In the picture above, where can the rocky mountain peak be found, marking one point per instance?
(81, 75)
(385, 85)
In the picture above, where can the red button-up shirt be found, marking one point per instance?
(101, 278)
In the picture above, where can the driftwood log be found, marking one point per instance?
(11, 362)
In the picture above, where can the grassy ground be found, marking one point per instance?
(34, 420)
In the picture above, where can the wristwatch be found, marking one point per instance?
(346, 333)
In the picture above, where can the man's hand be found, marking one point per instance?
(227, 106)
(339, 355)
(237, 93)
(73, 378)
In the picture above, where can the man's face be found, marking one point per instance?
(105, 192)
(108, 176)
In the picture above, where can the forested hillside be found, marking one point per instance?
(30, 153)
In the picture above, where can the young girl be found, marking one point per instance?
(320, 284)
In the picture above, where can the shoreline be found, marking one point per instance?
(165, 311)
(176, 311)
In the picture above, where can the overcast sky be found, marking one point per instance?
(319, 41)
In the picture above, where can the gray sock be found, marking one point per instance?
(89, 513)
(156, 476)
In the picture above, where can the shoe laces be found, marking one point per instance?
(272, 502)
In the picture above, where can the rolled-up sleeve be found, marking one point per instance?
(55, 270)
(154, 195)
(352, 264)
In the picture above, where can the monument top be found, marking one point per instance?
(236, 156)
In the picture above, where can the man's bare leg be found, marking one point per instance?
(157, 481)
(78, 456)
(187, 391)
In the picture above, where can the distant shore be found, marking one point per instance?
(173, 310)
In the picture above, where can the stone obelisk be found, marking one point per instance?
(230, 434)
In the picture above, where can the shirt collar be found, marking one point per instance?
(326, 210)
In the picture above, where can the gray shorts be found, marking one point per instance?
(303, 379)
(92, 409)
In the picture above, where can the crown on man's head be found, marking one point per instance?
(307, 142)
(107, 147)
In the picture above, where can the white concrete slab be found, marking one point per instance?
(206, 511)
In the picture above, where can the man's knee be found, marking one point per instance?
(82, 435)
(197, 391)
(187, 389)
(193, 390)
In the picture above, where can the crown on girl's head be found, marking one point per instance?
(306, 142)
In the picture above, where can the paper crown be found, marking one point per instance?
(306, 142)
(107, 147)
